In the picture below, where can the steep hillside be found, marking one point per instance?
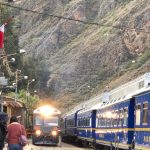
(78, 60)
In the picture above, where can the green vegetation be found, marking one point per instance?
(140, 61)
(31, 101)
(11, 45)
(136, 63)
(10, 40)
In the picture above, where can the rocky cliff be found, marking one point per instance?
(78, 59)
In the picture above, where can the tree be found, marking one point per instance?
(30, 101)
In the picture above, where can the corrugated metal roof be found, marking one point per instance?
(13, 104)
(9, 101)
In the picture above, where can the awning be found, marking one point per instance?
(13, 104)
(9, 101)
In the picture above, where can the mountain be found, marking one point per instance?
(77, 59)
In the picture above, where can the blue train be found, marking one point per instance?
(121, 122)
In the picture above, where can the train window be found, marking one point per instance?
(116, 118)
(120, 117)
(79, 124)
(100, 121)
(38, 120)
(145, 114)
(83, 122)
(113, 119)
(88, 122)
(70, 123)
(50, 121)
(97, 122)
(125, 117)
(103, 123)
(138, 115)
(109, 122)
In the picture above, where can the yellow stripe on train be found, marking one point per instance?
(115, 129)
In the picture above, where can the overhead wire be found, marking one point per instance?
(68, 74)
(72, 19)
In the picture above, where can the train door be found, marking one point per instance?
(131, 118)
(93, 124)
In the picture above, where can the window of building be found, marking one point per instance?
(145, 113)
(138, 114)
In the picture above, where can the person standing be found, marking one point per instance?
(15, 130)
(3, 128)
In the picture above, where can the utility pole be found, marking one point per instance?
(18, 78)
(27, 101)
(16, 88)
(1, 99)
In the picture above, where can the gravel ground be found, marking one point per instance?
(64, 147)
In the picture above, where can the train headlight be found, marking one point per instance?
(38, 132)
(54, 133)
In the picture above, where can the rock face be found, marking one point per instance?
(80, 55)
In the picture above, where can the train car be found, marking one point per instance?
(63, 126)
(113, 122)
(46, 126)
(85, 126)
(142, 121)
(123, 122)
(70, 127)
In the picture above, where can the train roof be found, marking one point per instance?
(121, 93)
(129, 96)
(86, 105)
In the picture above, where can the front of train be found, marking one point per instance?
(46, 126)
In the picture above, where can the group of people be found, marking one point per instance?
(11, 132)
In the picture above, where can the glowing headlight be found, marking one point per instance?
(54, 133)
(38, 132)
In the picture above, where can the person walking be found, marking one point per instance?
(15, 131)
(3, 128)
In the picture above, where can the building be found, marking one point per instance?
(14, 108)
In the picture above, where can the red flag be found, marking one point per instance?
(2, 36)
(2, 31)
